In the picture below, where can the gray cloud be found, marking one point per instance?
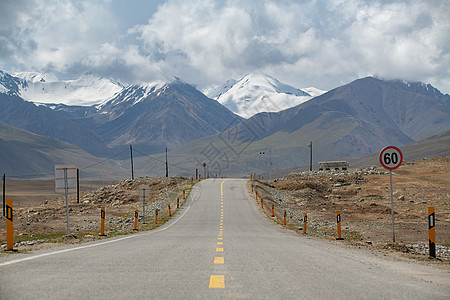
(303, 43)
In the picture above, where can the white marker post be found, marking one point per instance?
(143, 193)
(391, 158)
(65, 182)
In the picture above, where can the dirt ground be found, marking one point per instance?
(363, 198)
(40, 215)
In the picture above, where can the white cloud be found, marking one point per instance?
(303, 43)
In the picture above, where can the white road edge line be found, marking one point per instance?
(97, 244)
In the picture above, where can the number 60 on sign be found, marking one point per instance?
(391, 157)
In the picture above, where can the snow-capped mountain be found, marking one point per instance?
(258, 92)
(87, 89)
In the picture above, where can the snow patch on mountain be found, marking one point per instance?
(314, 92)
(86, 90)
(257, 92)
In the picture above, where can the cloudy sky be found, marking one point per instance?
(302, 43)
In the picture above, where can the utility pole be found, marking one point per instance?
(167, 166)
(78, 185)
(310, 155)
(270, 164)
(132, 170)
(4, 190)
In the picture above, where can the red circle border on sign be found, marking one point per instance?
(381, 160)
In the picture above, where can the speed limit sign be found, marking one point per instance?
(391, 157)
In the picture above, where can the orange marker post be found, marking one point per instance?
(184, 194)
(256, 195)
(305, 220)
(9, 226)
(431, 231)
(251, 177)
(136, 215)
(273, 210)
(178, 202)
(170, 212)
(252, 188)
(338, 219)
(156, 216)
(102, 215)
(262, 203)
(284, 217)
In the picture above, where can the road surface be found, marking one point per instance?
(219, 246)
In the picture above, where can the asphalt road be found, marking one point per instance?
(217, 249)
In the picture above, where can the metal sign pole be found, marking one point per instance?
(66, 186)
(392, 207)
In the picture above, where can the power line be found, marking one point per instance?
(106, 159)
(160, 160)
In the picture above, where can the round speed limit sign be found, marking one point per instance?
(391, 157)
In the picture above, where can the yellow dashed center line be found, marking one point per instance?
(219, 260)
(217, 282)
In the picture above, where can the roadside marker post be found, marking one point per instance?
(431, 231)
(338, 219)
(251, 177)
(102, 215)
(252, 188)
(284, 217)
(256, 195)
(184, 195)
(273, 210)
(305, 220)
(136, 215)
(391, 158)
(262, 203)
(9, 226)
(178, 202)
(170, 212)
(156, 216)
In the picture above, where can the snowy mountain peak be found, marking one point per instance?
(258, 92)
(88, 89)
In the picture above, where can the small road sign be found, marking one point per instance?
(391, 157)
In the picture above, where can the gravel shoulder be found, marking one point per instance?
(363, 198)
(43, 225)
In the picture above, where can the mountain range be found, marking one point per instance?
(356, 119)
(153, 117)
